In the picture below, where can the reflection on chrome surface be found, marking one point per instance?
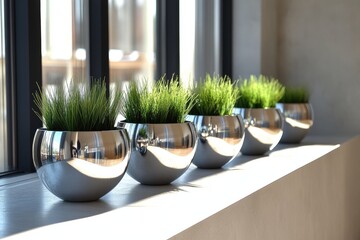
(263, 129)
(221, 138)
(81, 166)
(160, 152)
(299, 118)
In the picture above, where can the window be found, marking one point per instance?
(141, 41)
(64, 41)
(131, 40)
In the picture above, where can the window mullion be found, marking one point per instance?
(167, 38)
(227, 36)
(10, 86)
(99, 40)
(26, 74)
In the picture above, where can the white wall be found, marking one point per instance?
(247, 38)
(317, 46)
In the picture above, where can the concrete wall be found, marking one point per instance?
(311, 43)
(247, 38)
(319, 201)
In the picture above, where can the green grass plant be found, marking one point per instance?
(216, 96)
(259, 92)
(295, 95)
(78, 108)
(164, 102)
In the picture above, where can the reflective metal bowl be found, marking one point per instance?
(81, 166)
(160, 152)
(221, 138)
(299, 118)
(263, 129)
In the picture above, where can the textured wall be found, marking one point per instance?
(247, 38)
(317, 46)
(319, 201)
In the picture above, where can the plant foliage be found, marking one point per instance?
(259, 92)
(295, 95)
(166, 102)
(215, 96)
(78, 108)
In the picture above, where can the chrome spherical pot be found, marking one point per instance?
(299, 118)
(160, 152)
(81, 166)
(263, 129)
(220, 139)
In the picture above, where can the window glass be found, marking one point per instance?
(4, 161)
(187, 40)
(131, 40)
(200, 50)
(64, 41)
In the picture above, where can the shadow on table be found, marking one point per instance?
(30, 205)
(194, 173)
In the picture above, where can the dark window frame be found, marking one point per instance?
(25, 67)
(99, 41)
(9, 53)
(227, 37)
(167, 38)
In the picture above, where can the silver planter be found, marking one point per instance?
(220, 139)
(263, 129)
(81, 166)
(299, 118)
(160, 152)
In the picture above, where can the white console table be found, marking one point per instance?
(306, 191)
